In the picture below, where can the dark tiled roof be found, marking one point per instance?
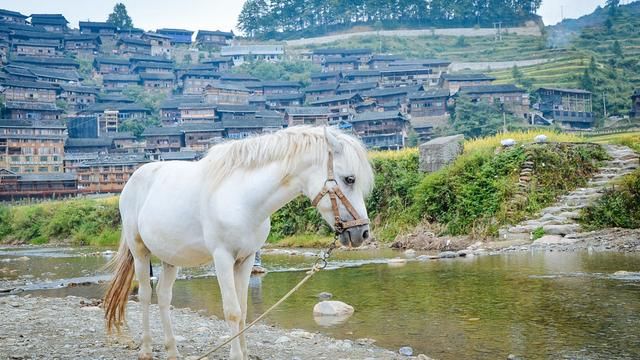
(113, 98)
(404, 69)
(83, 37)
(45, 61)
(43, 72)
(571, 91)
(382, 57)
(112, 60)
(226, 86)
(37, 43)
(88, 142)
(254, 123)
(28, 105)
(29, 85)
(119, 77)
(131, 41)
(237, 108)
(31, 123)
(281, 84)
(32, 33)
(138, 58)
(204, 127)
(48, 19)
(47, 177)
(357, 86)
(162, 131)
(152, 64)
(491, 89)
(215, 32)
(331, 99)
(95, 24)
(111, 159)
(130, 31)
(361, 73)
(216, 60)
(378, 115)
(339, 51)
(124, 107)
(467, 77)
(176, 101)
(238, 77)
(307, 110)
(420, 62)
(79, 89)
(12, 13)
(386, 92)
(201, 73)
(341, 60)
(169, 30)
(285, 97)
(179, 155)
(320, 87)
(429, 94)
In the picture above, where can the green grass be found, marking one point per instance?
(618, 207)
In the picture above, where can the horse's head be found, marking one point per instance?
(339, 187)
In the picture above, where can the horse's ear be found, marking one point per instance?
(334, 143)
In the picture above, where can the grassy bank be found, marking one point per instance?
(77, 222)
(618, 207)
(476, 194)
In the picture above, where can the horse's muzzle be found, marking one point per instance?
(355, 236)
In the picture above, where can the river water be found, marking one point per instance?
(537, 305)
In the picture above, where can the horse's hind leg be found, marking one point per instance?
(164, 291)
(141, 263)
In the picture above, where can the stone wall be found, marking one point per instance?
(439, 152)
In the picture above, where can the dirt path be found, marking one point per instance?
(525, 30)
(73, 328)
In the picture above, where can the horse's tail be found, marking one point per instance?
(117, 295)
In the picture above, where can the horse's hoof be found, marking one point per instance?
(146, 356)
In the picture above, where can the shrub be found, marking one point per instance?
(618, 207)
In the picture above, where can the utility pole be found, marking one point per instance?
(498, 27)
(604, 103)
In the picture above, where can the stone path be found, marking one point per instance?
(561, 218)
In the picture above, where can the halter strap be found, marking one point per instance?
(335, 195)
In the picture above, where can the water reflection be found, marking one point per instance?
(535, 305)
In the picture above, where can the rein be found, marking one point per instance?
(336, 194)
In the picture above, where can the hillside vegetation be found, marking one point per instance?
(275, 19)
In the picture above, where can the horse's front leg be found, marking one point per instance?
(224, 263)
(242, 273)
(164, 290)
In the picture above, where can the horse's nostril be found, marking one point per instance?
(365, 234)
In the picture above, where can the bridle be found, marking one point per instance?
(336, 194)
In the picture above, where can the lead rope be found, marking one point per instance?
(320, 264)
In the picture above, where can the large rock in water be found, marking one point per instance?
(437, 153)
(332, 308)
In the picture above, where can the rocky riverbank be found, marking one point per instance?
(73, 328)
(620, 240)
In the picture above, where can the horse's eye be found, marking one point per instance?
(350, 180)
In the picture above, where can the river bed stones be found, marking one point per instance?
(48, 328)
(332, 308)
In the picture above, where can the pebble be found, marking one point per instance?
(282, 339)
(325, 295)
(448, 255)
(406, 351)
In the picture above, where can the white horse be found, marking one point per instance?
(218, 208)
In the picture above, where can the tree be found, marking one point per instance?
(478, 119)
(612, 5)
(120, 18)
(617, 50)
(586, 81)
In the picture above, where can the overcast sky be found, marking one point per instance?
(214, 14)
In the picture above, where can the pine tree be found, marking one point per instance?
(120, 18)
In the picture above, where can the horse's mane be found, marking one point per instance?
(287, 145)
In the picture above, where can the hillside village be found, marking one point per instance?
(76, 115)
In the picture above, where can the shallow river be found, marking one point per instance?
(535, 305)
